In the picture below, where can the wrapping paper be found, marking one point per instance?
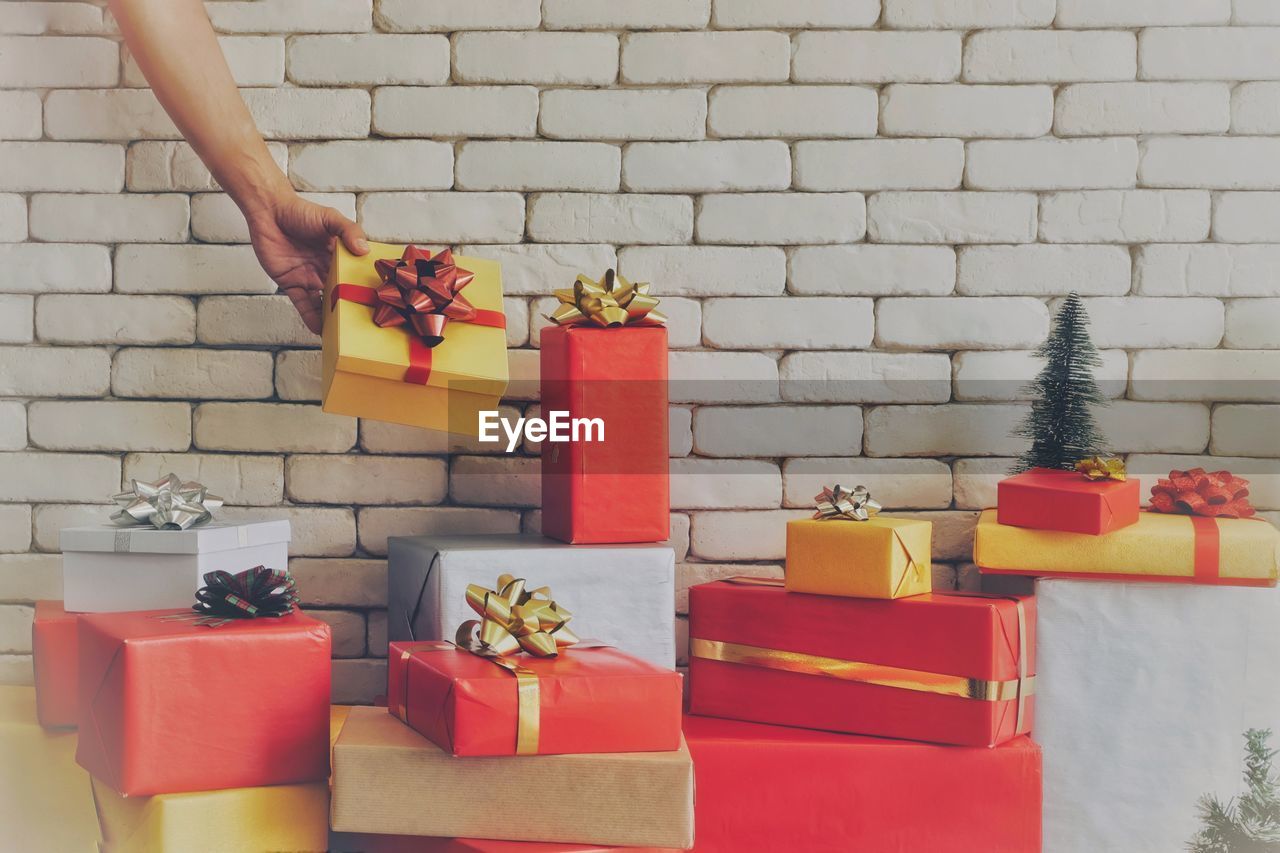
(955, 639)
(1169, 548)
(46, 805)
(589, 700)
(623, 596)
(878, 558)
(1045, 499)
(365, 365)
(389, 779)
(56, 660)
(108, 569)
(1184, 671)
(344, 842)
(251, 707)
(618, 375)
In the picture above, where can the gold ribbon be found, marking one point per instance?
(1097, 468)
(611, 301)
(840, 503)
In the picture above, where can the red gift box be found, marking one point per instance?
(1047, 499)
(616, 490)
(588, 700)
(772, 788)
(169, 706)
(53, 645)
(943, 667)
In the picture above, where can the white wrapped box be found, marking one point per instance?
(1143, 694)
(623, 595)
(106, 569)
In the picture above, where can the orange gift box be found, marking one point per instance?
(53, 645)
(588, 700)
(169, 706)
(1045, 499)
(943, 667)
(616, 490)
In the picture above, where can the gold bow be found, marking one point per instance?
(513, 619)
(1097, 468)
(839, 502)
(611, 301)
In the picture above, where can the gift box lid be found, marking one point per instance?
(215, 536)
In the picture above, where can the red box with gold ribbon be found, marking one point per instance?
(1047, 499)
(414, 337)
(606, 360)
(950, 668)
(54, 649)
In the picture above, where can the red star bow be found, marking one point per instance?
(423, 292)
(1219, 494)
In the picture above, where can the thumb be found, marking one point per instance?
(351, 234)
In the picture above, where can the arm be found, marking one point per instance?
(174, 45)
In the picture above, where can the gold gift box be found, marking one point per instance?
(365, 365)
(389, 779)
(878, 558)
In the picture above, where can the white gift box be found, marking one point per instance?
(106, 569)
(622, 595)
(1143, 694)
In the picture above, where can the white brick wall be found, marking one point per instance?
(861, 214)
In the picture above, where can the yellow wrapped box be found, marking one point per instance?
(413, 337)
(1160, 547)
(877, 558)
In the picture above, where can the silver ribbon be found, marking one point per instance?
(839, 502)
(167, 504)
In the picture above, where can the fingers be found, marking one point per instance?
(351, 234)
(308, 303)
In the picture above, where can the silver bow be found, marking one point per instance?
(838, 502)
(166, 504)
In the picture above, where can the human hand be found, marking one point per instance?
(293, 239)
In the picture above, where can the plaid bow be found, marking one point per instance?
(245, 595)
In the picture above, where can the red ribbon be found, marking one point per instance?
(1220, 494)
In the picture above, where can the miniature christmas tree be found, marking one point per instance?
(1060, 424)
(1251, 823)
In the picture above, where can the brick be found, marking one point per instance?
(1209, 53)
(262, 320)
(1052, 164)
(1125, 216)
(788, 322)
(357, 682)
(598, 218)
(895, 483)
(34, 371)
(114, 319)
(116, 114)
(369, 59)
(956, 429)
(790, 111)
(367, 166)
(1102, 109)
(15, 628)
(17, 324)
(315, 531)
(722, 377)
(199, 374)
(967, 14)
(63, 18)
(1254, 110)
(452, 15)
(795, 14)
(531, 269)
(1217, 375)
(216, 219)
(132, 218)
(348, 582)
(967, 111)
(1252, 217)
(381, 437)
(609, 15)
(1245, 430)
(865, 377)
(42, 477)
(879, 164)
(1005, 375)
(366, 480)
(110, 425)
(1263, 474)
(706, 166)
(706, 57)
(272, 428)
(1048, 56)
(525, 166)
(1207, 270)
(1240, 163)
(871, 270)
(61, 166)
(1255, 12)
(347, 630)
(285, 113)
(49, 520)
(47, 62)
(782, 218)
(15, 536)
(16, 670)
(743, 535)
(456, 111)
(585, 59)
(191, 269)
(1154, 323)
(377, 635)
(707, 270)
(239, 480)
(777, 431)
(1142, 13)
(21, 115)
(62, 268)
(1139, 427)
(253, 60)
(154, 166)
(876, 57)
(28, 578)
(297, 375)
(377, 524)
(1043, 270)
(13, 218)
(288, 16)
(443, 217)
(951, 217)
(951, 323)
(976, 481)
(1252, 324)
(13, 426)
(725, 484)
(496, 481)
(650, 114)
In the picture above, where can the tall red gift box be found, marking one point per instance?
(169, 706)
(1046, 499)
(942, 667)
(53, 646)
(616, 490)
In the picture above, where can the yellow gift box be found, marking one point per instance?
(377, 372)
(877, 558)
(46, 804)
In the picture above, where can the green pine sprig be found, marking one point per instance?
(1249, 823)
